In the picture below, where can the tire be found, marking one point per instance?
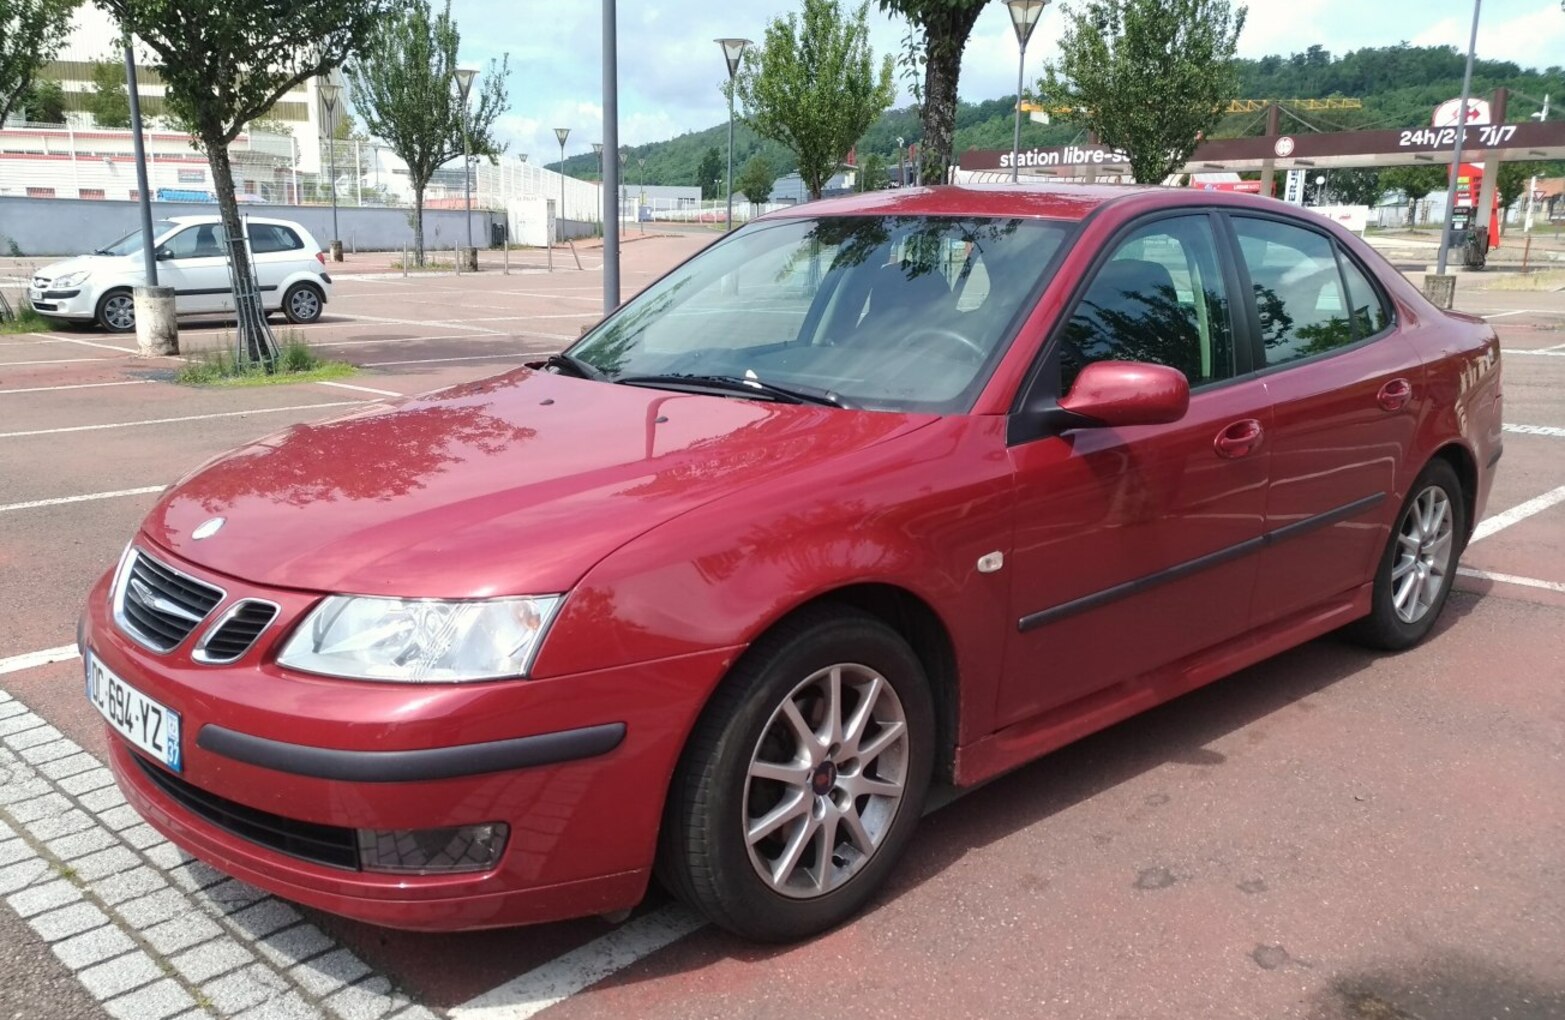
(117, 311)
(1401, 616)
(705, 857)
(304, 303)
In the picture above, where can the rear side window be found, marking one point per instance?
(1370, 314)
(1297, 289)
(268, 237)
(1160, 298)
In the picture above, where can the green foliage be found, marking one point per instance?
(1415, 182)
(709, 173)
(755, 180)
(31, 33)
(1347, 187)
(109, 101)
(45, 102)
(1149, 77)
(24, 319)
(1515, 178)
(296, 362)
(872, 174)
(225, 64)
(945, 26)
(404, 88)
(813, 86)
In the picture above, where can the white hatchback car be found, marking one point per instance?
(191, 258)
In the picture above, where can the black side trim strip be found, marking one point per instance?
(413, 766)
(1033, 621)
(215, 290)
(60, 295)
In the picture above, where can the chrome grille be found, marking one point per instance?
(235, 631)
(158, 605)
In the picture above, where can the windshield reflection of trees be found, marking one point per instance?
(375, 457)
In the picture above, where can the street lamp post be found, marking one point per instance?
(464, 84)
(559, 214)
(641, 189)
(330, 93)
(733, 49)
(1024, 18)
(624, 158)
(597, 150)
(901, 174)
(1456, 155)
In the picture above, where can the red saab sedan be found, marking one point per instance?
(904, 488)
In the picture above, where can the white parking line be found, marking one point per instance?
(77, 386)
(56, 361)
(414, 322)
(43, 658)
(1547, 352)
(88, 343)
(1518, 513)
(535, 991)
(1525, 582)
(170, 421)
(62, 500)
(1537, 430)
(432, 361)
(361, 389)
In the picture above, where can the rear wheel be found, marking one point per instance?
(303, 303)
(803, 780)
(117, 311)
(1416, 571)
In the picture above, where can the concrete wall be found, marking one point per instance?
(69, 226)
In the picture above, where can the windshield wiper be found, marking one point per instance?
(101, 251)
(570, 365)
(745, 387)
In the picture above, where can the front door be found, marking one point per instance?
(194, 263)
(1134, 546)
(1345, 386)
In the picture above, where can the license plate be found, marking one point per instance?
(150, 726)
(35, 295)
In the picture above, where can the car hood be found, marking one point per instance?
(513, 485)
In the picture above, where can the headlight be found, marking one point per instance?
(70, 279)
(420, 641)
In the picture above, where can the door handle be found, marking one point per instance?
(1240, 439)
(1394, 395)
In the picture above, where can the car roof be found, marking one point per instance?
(1072, 202)
(186, 221)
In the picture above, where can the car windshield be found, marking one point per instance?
(881, 312)
(130, 244)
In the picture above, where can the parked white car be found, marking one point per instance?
(192, 259)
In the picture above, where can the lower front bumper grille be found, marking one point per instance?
(331, 845)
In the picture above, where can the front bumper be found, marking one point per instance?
(577, 766)
(64, 303)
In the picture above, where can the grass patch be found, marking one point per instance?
(1536, 280)
(295, 364)
(25, 320)
(429, 266)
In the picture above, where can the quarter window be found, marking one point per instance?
(1297, 289)
(266, 237)
(1160, 298)
(1370, 315)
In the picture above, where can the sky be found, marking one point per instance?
(670, 70)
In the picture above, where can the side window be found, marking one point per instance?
(182, 245)
(1298, 290)
(204, 241)
(1370, 314)
(1160, 298)
(267, 237)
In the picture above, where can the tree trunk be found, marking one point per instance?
(253, 341)
(418, 226)
(945, 36)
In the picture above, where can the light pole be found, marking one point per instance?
(641, 189)
(597, 150)
(1456, 155)
(464, 84)
(619, 215)
(733, 49)
(1024, 18)
(901, 176)
(561, 134)
(330, 93)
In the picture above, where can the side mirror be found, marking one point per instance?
(162, 254)
(1109, 394)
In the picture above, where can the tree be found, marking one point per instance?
(225, 64)
(1148, 77)
(109, 101)
(813, 86)
(45, 102)
(946, 26)
(1416, 182)
(31, 33)
(872, 175)
(755, 180)
(1348, 187)
(404, 88)
(709, 172)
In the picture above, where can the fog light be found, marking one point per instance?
(433, 851)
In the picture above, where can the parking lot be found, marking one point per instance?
(1330, 834)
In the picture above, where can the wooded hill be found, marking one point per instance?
(1400, 86)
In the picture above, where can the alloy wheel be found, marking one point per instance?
(119, 311)
(825, 781)
(1425, 548)
(304, 304)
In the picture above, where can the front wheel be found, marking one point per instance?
(804, 779)
(117, 311)
(303, 303)
(1416, 570)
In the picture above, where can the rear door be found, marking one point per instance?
(1346, 389)
(1135, 546)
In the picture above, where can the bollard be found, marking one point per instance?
(1440, 290)
(405, 257)
(506, 263)
(336, 251)
(157, 330)
(456, 259)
